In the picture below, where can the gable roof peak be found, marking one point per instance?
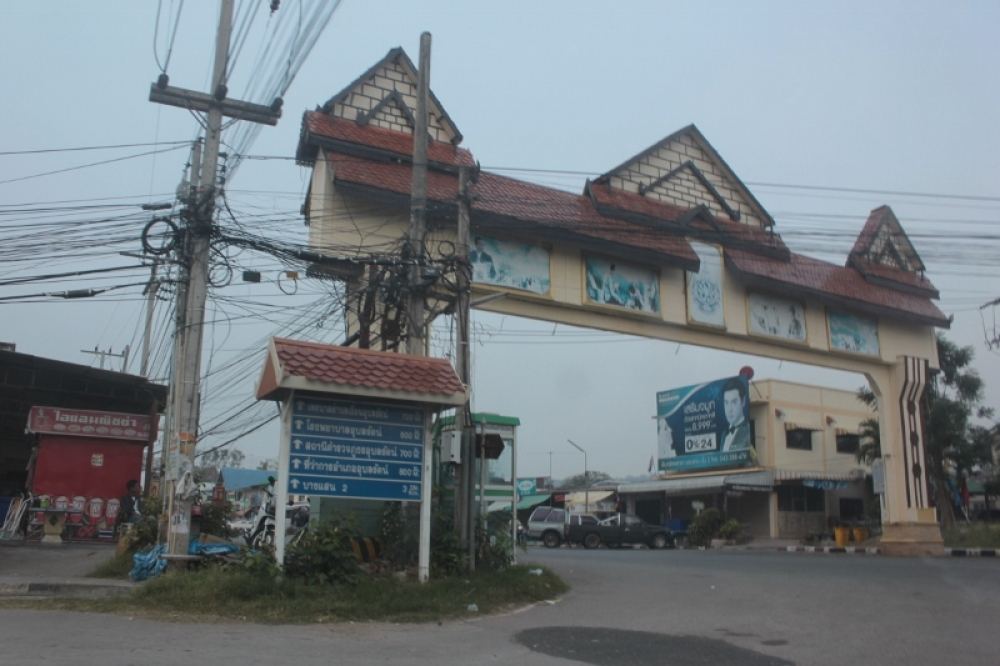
(883, 242)
(683, 169)
(386, 95)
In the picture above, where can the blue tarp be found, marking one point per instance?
(198, 548)
(235, 478)
(147, 563)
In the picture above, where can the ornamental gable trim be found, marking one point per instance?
(684, 170)
(386, 96)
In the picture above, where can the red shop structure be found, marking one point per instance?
(82, 463)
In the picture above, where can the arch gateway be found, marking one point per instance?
(669, 244)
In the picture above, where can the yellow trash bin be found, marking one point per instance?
(841, 535)
(860, 534)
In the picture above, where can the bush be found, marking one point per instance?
(447, 557)
(398, 535)
(145, 531)
(731, 530)
(495, 548)
(704, 527)
(324, 555)
(976, 535)
(215, 519)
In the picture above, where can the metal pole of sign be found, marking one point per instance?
(513, 497)
(284, 470)
(482, 473)
(424, 544)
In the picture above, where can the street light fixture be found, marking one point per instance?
(586, 476)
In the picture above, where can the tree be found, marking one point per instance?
(268, 464)
(210, 462)
(954, 445)
(579, 481)
(870, 446)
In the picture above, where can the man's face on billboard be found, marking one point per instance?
(733, 405)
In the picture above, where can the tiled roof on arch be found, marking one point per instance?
(543, 210)
(828, 282)
(321, 129)
(375, 162)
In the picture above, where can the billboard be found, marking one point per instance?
(704, 426)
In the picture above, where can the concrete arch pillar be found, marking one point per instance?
(909, 522)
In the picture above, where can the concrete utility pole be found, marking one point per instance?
(586, 476)
(186, 382)
(464, 495)
(415, 337)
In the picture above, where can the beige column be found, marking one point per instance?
(909, 522)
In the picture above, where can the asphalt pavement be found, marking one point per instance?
(634, 607)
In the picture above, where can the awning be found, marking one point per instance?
(580, 497)
(802, 475)
(498, 506)
(761, 480)
(790, 425)
(529, 501)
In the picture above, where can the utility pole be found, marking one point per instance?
(416, 336)
(104, 354)
(151, 288)
(183, 428)
(463, 496)
(586, 476)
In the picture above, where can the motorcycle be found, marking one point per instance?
(261, 532)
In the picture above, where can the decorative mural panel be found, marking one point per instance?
(513, 265)
(776, 317)
(611, 282)
(704, 288)
(852, 333)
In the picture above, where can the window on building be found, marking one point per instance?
(848, 443)
(852, 508)
(799, 438)
(800, 498)
(753, 433)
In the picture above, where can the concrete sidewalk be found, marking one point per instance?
(34, 569)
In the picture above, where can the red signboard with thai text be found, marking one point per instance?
(89, 423)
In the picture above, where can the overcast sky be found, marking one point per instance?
(890, 96)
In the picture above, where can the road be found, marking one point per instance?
(634, 607)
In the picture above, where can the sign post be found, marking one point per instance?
(353, 448)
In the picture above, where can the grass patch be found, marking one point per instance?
(117, 567)
(977, 535)
(233, 594)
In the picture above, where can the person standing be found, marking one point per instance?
(131, 507)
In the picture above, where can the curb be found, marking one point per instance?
(970, 552)
(844, 550)
(65, 589)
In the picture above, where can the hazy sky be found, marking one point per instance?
(889, 96)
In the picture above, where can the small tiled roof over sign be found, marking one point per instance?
(319, 367)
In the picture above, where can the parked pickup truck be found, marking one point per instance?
(551, 525)
(620, 529)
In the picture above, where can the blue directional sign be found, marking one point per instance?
(355, 449)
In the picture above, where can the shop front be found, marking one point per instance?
(82, 462)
